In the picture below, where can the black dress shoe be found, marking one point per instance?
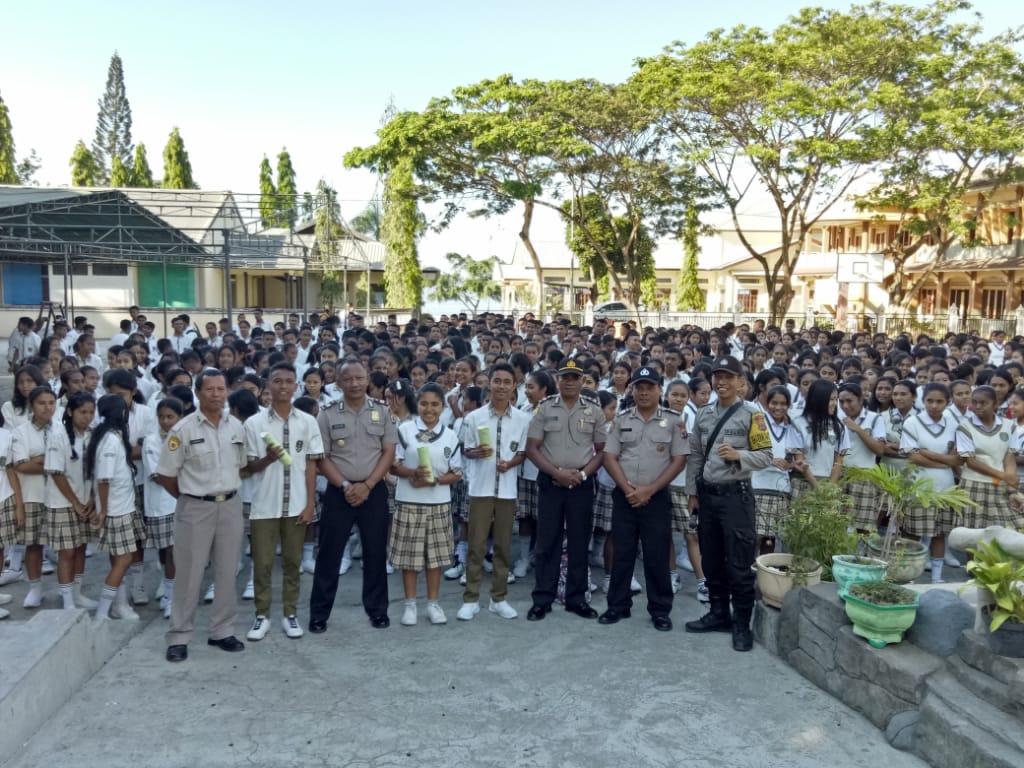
(317, 626)
(231, 644)
(380, 622)
(538, 612)
(611, 616)
(582, 610)
(711, 622)
(662, 623)
(742, 638)
(177, 652)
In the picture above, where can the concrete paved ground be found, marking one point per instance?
(562, 692)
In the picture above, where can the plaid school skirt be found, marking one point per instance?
(67, 530)
(769, 508)
(993, 506)
(8, 526)
(865, 503)
(602, 508)
(421, 536)
(459, 505)
(160, 530)
(526, 509)
(682, 521)
(120, 535)
(36, 525)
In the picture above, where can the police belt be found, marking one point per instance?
(735, 488)
(216, 498)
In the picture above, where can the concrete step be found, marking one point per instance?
(959, 729)
(1006, 688)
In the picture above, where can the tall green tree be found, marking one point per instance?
(287, 192)
(27, 168)
(689, 296)
(789, 112)
(113, 123)
(141, 174)
(329, 231)
(268, 195)
(8, 163)
(468, 281)
(177, 168)
(119, 175)
(369, 220)
(83, 166)
(401, 226)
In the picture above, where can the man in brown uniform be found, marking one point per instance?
(199, 466)
(359, 442)
(566, 443)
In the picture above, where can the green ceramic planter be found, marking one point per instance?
(879, 624)
(848, 570)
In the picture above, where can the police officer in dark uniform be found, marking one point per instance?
(729, 441)
(566, 443)
(359, 442)
(645, 451)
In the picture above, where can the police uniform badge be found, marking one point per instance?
(374, 416)
(173, 443)
(298, 446)
(447, 452)
(759, 436)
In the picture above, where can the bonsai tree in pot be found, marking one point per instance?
(812, 530)
(881, 612)
(905, 489)
(994, 569)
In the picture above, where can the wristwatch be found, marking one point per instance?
(583, 475)
(345, 484)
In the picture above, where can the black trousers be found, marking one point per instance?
(336, 523)
(567, 512)
(728, 543)
(652, 525)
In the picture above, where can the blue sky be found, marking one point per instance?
(244, 79)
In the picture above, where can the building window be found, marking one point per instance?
(747, 298)
(78, 268)
(926, 300)
(106, 269)
(960, 297)
(993, 303)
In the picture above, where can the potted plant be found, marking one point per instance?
(905, 489)
(811, 530)
(848, 570)
(1001, 574)
(881, 611)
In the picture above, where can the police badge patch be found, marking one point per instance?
(298, 446)
(515, 445)
(447, 452)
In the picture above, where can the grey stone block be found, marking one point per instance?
(823, 607)
(873, 701)
(766, 625)
(901, 728)
(901, 669)
(941, 617)
(817, 643)
(789, 622)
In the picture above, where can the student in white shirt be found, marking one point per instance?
(866, 431)
(159, 504)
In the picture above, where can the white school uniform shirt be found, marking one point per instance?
(921, 431)
(820, 459)
(304, 442)
(605, 480)
(29, 441)
(1017, 446)
(112, 467)
(6, 491)
(686, 419)
(975, 440)
(58, 461)
(528, 470)
(485, 480)
(996, 353)
(157, 501)
(859, 454)
(13, 417)
(894, 422)
(785, 439)
(442, 444)
(141, 422)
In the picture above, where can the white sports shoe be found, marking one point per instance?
(675, 583)
(48, 567)
(34, 598)
(409, 615)
(634, 586)
(683, 561)
(436, 614)
(520, 567)
(165, 606)
(291, 627)
(259, 630)
(455, 571)
(468, 611)
(462, 579)
(346, 566)
(10, 577)
(389, 568)
(208, 597)
(488, 565)
(249, 593)
(503, 609)
(606, 584)
(5, 599)
(124, 612)
(4, 613)
(950, 560)
(81, 601)
(309, 566)
(511, 578)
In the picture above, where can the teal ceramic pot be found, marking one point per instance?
(848, 570)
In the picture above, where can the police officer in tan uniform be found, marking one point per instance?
(566, 443)
(200, 466)
(359, 442)
(645, 451)
(730, 440)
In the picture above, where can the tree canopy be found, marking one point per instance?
(287, 192)
(142, 175)
(8, 163)
(83, 166)
(177, 168)
(401, 226)
(113, 124)
(468, 281)
(268, 194)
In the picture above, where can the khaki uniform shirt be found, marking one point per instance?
(746, 430)
(646, 448)
(355, 440)
(205, 458)
(568, 435)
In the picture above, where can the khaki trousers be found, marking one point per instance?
(205, 530)
(265, 535)
(494, 517)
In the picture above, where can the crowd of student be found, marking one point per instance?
(92, 443)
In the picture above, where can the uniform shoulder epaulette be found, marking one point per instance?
(332, 404)
(674, 412)
(375, 401)
(589, 399)
(553, 398)
(705, 407)
(751, 407)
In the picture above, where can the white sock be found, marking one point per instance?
(937, 563)
(122, 595)
(107, 596)
(17, 555)
(35, 588)
(307, 550)
(524, 547)
(460, 551)
(411, 602)
(674, 574)
(67, 595)
(135, 574)
(76, 586)
(169, 590)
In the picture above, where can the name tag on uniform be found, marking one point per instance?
(337, 426)
(197, 441)
(625, 429)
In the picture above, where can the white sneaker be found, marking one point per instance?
(928, 565)
(702, 592)
(259, 630)
(634, 586)
(90, 550)
(81, 601)
(123, 611)
(291, 627)
(389, 568)
(137, 594)
(606, 584)
(10, 577)
(165, 606)
(462, 579)
(511, 578)
(683, 561)
(48, 567)
(208, 597)
(33, 599)
(468, 611)
(675, 583)
(503, 609)
(346, 566)
(455, 571)
(520, 567)
(309, 566)
(4, 613)
(950, 560)
(249, 593)
(409, 615)
(436, 614)
(488, 565)
(5, 599)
